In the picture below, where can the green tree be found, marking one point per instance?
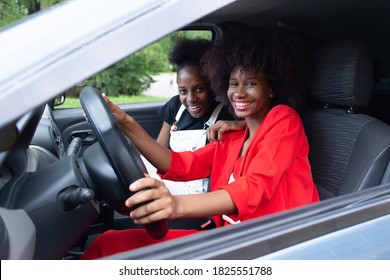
(34, 6)
(10, 11)
(14, 10)
(133, 75)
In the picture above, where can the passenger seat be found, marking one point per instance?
(349, 151)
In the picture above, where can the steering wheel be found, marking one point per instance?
(120, 152)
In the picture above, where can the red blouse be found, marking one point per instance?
(273, 175)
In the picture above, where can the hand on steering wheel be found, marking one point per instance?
(120, 152)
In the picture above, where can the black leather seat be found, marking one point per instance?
(349, 151)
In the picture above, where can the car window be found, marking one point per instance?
(145, 76)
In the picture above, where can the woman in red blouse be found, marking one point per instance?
(253, 172)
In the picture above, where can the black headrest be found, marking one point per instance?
(343, 74)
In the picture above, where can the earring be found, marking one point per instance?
(271, 94)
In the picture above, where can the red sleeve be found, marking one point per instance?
(187, 166)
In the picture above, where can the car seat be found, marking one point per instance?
(349, 151)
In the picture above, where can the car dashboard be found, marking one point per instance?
(44, 191)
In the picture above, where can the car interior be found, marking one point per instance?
(346, 121)
(341, 156)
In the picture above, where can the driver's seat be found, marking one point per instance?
(349, 151)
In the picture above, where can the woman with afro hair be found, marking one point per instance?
(186, 116)
(254, 172)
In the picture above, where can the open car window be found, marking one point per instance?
(145, 76)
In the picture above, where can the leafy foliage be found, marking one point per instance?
(10, 12)
(133, 75)
(14, 10)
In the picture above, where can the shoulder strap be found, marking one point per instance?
(178, 116)
(213, 116)
(181, 110)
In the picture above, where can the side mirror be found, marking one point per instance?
(59, 100)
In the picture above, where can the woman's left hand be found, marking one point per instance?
(157, 203)
(215, 131)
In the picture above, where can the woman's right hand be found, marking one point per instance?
(121, 117)
(215, 131)
(157, 202)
